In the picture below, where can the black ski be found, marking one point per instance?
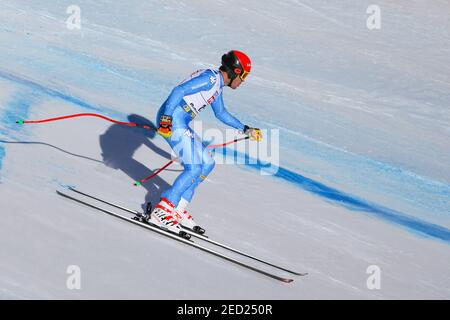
(192, 233)
(176, 237)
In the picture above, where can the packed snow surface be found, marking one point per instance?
(363, 120)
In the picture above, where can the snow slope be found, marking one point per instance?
(364, 138)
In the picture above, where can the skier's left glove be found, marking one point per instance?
(165, 126)
(253, 133)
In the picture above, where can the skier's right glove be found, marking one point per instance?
(165, 126)
(253, 133)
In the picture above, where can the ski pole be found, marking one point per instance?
(140, 182)
(213, 146)
(130, 124)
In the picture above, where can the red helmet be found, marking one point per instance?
(236, 63)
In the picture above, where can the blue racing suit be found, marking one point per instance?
(202, 88)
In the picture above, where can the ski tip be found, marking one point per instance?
(20, 121)
(137, 183)
(299, 274)
(287, 280)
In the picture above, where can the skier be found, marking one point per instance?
(202, 88)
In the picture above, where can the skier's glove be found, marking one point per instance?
(253, 133)
(165, 126)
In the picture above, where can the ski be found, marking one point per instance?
(194, 234)
(176, 237)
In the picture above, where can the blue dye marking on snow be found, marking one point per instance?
(27, 94)
(94, 63)
(17, 108)
(20, 104)
(348, 201)
(38, 88)
(2, 155)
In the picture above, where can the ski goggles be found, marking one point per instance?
(242, 75)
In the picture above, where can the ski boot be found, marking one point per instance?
(186, 221)
(162, 218)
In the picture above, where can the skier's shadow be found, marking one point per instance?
(119, 144)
